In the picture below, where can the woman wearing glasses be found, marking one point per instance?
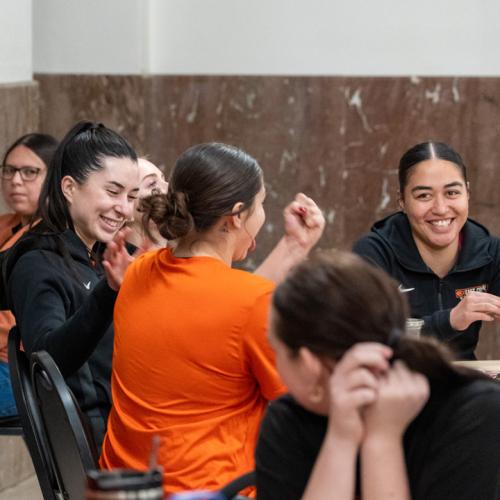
(23, 171)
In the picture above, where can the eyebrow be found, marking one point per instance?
(429, 188)
(119, 186)
(149, 175)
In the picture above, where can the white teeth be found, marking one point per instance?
(112, 222)
(442, 222)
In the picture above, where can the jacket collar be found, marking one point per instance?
(395, 231)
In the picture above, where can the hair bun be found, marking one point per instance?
(169, 212)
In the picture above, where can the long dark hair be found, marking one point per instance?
(80, 153)
(205, 184)
(43, 145)
(427, 151)
(336, 300)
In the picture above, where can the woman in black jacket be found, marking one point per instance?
(447, 264)
(56, 286)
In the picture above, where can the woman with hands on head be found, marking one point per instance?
(372, 413)
(191, 359)
(447, 264)
(56, 284)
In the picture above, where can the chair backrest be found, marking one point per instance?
(236, 485)
(30, 418)
(70, 441)
(10, 426)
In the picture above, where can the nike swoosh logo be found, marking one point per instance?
(402, 289)
(87, 285)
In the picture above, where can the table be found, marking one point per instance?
(490, 367)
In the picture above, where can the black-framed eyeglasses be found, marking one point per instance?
(27, 173)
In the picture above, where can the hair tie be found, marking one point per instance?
(394, 338)
(95, 126)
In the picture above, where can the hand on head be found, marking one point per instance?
(475, 306)
(304, 221)
(353, 386)
(370, 397)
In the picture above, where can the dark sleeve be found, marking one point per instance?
(438, 325)
(282, 465)
(463, 461)
(41, 298)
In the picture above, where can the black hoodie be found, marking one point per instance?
(390, 245)
(63, 305)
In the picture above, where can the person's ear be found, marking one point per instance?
(468, 190)
(68, 186)
(313, 371)
(237, 219)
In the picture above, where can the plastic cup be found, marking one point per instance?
(121, 484)
(414, 326)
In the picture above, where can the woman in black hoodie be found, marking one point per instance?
(56, 284)
(447, 264)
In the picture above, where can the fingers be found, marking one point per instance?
(408, 384)
(306, 208)
(476, 306)
(372, 355)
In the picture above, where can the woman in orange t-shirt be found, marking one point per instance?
(22, 173)
(191, 360)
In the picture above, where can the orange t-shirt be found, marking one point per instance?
(191, 364)
(7, 238)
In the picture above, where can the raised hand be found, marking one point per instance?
(304, 221)
(116, 259)
(475, 306)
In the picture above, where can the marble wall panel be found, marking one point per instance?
(338, 139)
(117, 101)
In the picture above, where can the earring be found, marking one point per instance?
(317, 394)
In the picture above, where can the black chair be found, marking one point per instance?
(10, 426)
(70, 439)
(236, 485)
(31, 419)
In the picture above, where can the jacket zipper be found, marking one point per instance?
(440, 296)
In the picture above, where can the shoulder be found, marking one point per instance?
(252, 282)
(289, 442)
(471, 409)
(284, 415)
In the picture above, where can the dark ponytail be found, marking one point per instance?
(80, 153)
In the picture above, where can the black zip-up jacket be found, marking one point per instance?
(63, 305)
(390, 245)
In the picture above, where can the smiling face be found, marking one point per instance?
(436, 201)
(105, 201)
(151, 180)
(20, 195)
(252, 222)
